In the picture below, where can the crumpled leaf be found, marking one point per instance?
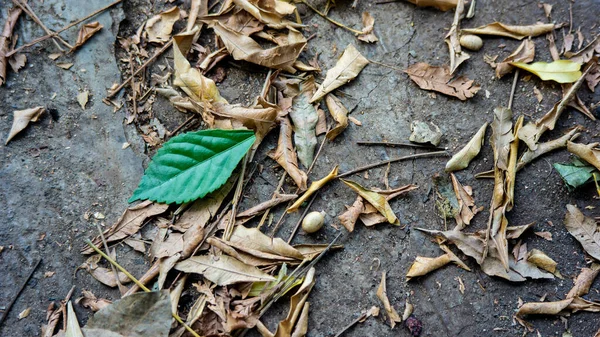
(440, 79)
(302, 324)
(583, 229)
(425, 265)
(545, 147)
(561, 71)
(339, 113)
(137, 315)
(21, 119)
(243, 23)
(314, 186)
(18, 61)
(543, 308)
(442, 5)
(584, 281)
(222, 270)
(543, 261)
(159, 27)
(457, 55)
(90, 301)
(376, 200)
(260, 118)
(193, 164)
(389, 309)
(466, 203)
(352, 213)
(463, 157)
(350, 64)
(304, 119)
(588, 152)
(515, 32)
(367, 32)
(576, 173)
(523, 54)
(285, 155)
(5, 39)
(252, 239)
(585, 54)
(423, 133)
(73, 328)
(105, 276)
(245, 48)
(297, 302)
(269, 12)
(86, 32)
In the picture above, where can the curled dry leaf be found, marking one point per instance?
(423, 133)
(463, 157)
(269, 12)
(305, 118)
(105, 275)
(543, 308)
(543, 148)
(260, 118)
(339, 114)
(523, 54)
(585, 54)
(310, 251)
(440, 79)
(21, 119)
(515, 32)
(222, 270)
(425, 265)
(314, 186)
(252, 239)
(442, 5)
(466, 203)
(543, 261)
(583, 229)
(350, 64)
(90, 301)
(352, 213)
(376, 200)
(73, 328)
(297, 301)
(25, 313)
(159, 27)
(588, 152)
(457, 56)
(5, 39)
(367, 32)
(383, 297)
(82, 98)
(86, 32)
(18, 61)
(584, 281)
(285, 155)
(561, 71)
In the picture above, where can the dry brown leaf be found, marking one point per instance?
(544, 235)
(105, 275)
(543, 308)
(160, 26)
(5, 39)
(389, 309)
(463, 157)
(310, 251)
(515, 32)
(260, 118)
(593, 77)
(263, 206)
(65, 66)
(580, 304)
(543, 261)
(583, 229)
(222, 270)
(457, 56)
(425, 265)
(314, 186)
(17, 62)
(252, 239)
(367, 32)
(588, 152)
(245, 48)
(297, 301)
(302, 325)
(350, 64)
(305, 118)
(440, 79)
(585, 55)
(321, 127)
(339, 114)
(376, 200)
(584, 281)
(547, 9)
(466, 203)
(543, 148)
(502, 136)
(21, 119)
(269, 12)
(86, 32)
(285, 155)
(90, 301)
(129, 223)
(243, 23)
(524, 53)
(352, 213)
(355, 121)
(442, 5)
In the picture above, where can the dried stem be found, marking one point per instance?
(105, 244)
(7, 309)
(412, 156)
(392, 144)
(236, 200)
(513, 89)
(357, 32)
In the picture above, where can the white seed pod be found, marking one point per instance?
(471, 42)
(312, 222)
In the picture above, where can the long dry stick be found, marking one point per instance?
(385, 162)
(357, 32)
(236, 200)
(392, 144)
(45, 37)
(29, 11)
(7, 309)
(138, 283)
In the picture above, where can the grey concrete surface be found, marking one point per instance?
(58, 169)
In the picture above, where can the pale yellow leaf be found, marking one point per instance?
(159, 27)
(515, 32)
(561, 71)
(21, 119)
(376, 200)
(383, 297)
(222, 270)
(314, 186)
(73, 328)
(463, 157)
(82, 98)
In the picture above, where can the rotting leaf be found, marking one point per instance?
(297, 301)
(136, 315)
(376, 200)
(423, 133)
(367, 32)
(389, 309)
(515, 32)
(160, 26)
(524, 54)
(352, 213)
(425, 265)
(583, 229)
(463, 157)
(285, 155)
(21, 119)
(446, 201)
(561, 71)
(304, 118)
(339, 113)
(86, 32)
(457, 56)
(440, 79)
(314, 186)
(345, 70)
(222, 270)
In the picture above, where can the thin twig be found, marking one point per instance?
(137, 282)
(512, 90)
(45, 37)
(385, 65)
(236, 200)
(266, 214)
(133, 91)
(177, 129)
(385, 162)
(105, 244)
(29, 11)
(357, 32)
(142, 67)
(5, 313)
(353, 323)
(302, 217)
(392, 144)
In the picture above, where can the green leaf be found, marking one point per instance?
(576, 173)
(192, 165)
(561, 71)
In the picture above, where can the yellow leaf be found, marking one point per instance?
(315, 186)
(463, 157)
(389, 309)
(561, 71)
(284, 328)
(339, 113)
(377, 200)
